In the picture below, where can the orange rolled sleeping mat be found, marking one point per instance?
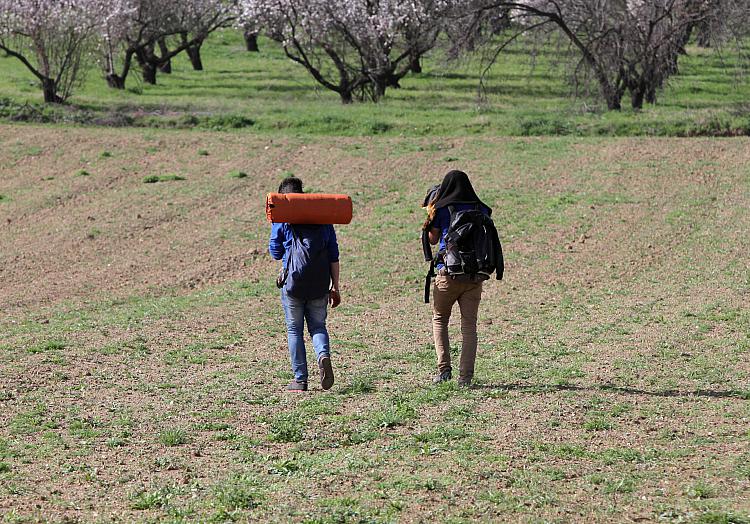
(308, 208)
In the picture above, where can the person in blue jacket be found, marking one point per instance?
(314, 310)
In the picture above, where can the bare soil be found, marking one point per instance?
(613, 379)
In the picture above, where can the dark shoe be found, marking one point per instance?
(464, 382)
(296, 385)
(326, 372)
(442, 377)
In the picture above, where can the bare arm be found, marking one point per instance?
(434, 236)
(334, 297)
(335, 270)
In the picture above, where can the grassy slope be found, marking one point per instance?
(281, 98)
(142, 360)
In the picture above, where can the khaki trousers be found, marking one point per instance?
(446, 292)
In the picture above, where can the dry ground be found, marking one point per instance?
(143, 360)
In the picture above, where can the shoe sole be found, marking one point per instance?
(326, 373)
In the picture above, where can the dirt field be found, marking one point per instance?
(143, 353)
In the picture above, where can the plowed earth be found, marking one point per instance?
(143, 352)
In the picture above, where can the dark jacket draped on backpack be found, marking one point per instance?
(472, 244)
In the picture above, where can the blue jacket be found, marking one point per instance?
(281, 241)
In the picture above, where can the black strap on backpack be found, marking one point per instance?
(428, 281)
(428, 257)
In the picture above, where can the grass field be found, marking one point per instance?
(266, 93)
(143, 353)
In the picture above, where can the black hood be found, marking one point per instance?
(457, 189)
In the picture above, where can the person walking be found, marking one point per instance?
(309, 283)
(460, 270)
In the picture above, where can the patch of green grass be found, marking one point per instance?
(396, 413)
(341, 509)
(286, 467)
(720, 517)
(82, 172)
(623, 484)
(33, 151)
(105, 154)
(4, 198)
(597, 423)
(44, 347)
(203, 152)
(153, 179)
(190, 354)
(442, 435)
(359, 436)
(173, 437)
(701, 490)
(239, 492)
(286, 427)
(359, 385)
(158, 498)
(237, 174)
(117, 442)
(4, 467)
(84, 429)
(32, 421)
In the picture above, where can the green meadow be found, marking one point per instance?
(525, 94)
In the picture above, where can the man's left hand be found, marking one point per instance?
(334, 298)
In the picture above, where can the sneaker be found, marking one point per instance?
(442, 377)
(296, 385)
(326, 372)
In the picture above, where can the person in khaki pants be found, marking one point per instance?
(457, 193)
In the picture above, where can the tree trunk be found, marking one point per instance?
(704, 35)
(636, 97)
(115, 81)
(651, 95)
(148, 65)
(613, 99)
(166, 66)
(379, 86)
(346, 96)
(415, 65)
(251, 41)
(149, 73)
(49, 87)
(194, 52)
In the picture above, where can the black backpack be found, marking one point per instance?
(472, 248)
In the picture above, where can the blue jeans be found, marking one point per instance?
(296, 312)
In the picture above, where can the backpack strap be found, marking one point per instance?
(428, 281)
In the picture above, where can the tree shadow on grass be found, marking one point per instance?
(606, 388)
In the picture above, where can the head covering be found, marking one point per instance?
(431, 195)
(457, 189)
